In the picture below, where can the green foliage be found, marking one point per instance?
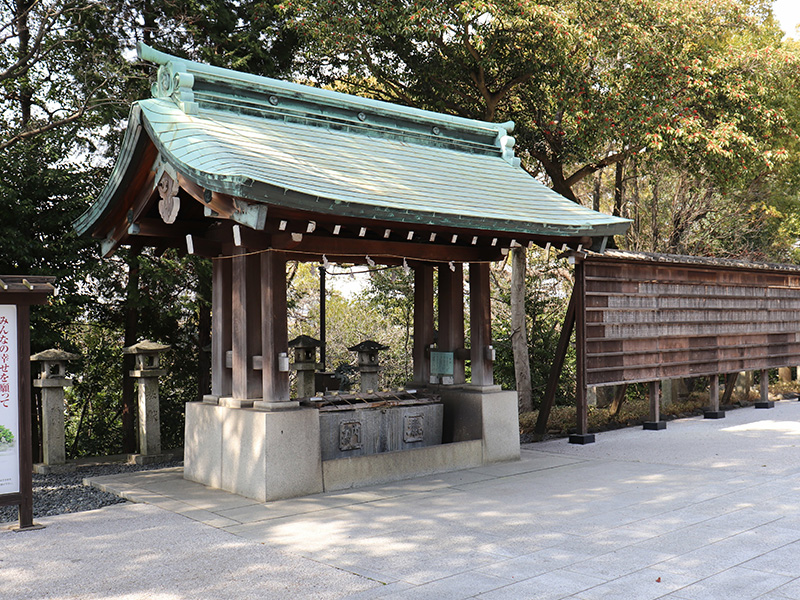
(548, 287)
(93, 421)
(6, 437)
(706, 83)
(353, 317)
(173, 292)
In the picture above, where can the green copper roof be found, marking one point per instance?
(301, 147)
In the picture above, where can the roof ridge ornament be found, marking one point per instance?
(174, 82)
(190, 84)
(506, 143)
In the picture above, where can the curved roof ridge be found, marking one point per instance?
(181, 79)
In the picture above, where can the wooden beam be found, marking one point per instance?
(274, 327)
(540, 430)
(251, 214)
(317, 245)
(146, 227)
(25, 425)
(451, 316)
(480, 315)
(221, 334)
(201, 246)
(655, 401)
(246, 329)
(423, 323)
(582, 436)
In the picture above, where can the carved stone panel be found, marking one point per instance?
(350, 435)
(413, 428)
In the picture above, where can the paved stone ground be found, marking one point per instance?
(705, 509)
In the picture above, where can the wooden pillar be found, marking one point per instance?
(655, 423)
(480, 318)
(451, 316)
(764, 401)
(246, 328)
(221, 336)
(274, 329)
(423, 323)
(582, 436)
(713, 411)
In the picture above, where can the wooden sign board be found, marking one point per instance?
(655, 317)
(9, 402)
(442, 363)
(17, 293)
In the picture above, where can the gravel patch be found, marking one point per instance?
(58, 494)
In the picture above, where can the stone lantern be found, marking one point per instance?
(305, 363)
(147, 370)
(52, 380)
(368, 363)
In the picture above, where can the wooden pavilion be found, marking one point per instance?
(254, 172)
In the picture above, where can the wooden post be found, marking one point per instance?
(221, 335)
(655, 423)
(423, 323)
(540, 429)
(480, 318)
(274, 330)
(764, 401)
(451, 316)
(582, 436)
(713, 411)
(26, 451)
(246, 329)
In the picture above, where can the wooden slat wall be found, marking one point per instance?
(647, 321)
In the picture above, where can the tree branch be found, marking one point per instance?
(601, 164)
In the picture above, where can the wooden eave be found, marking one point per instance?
(25, 289)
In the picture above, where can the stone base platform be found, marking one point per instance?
(273, 455)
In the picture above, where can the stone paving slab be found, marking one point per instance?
(703, 509)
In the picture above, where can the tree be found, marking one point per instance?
(589, 83)
(66, 85)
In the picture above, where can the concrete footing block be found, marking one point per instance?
(654, 425)
(43, 469)
(483, 413)
(582, 438)
(148, 459)
(714, 414)
(264, 455)
(767, 404)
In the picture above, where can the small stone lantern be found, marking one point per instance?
(368, 363)
(305, 363)
(52, 380)
(146, 372)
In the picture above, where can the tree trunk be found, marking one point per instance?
(654, 218)
(619, 185)
(519, 331)
(619, 399)
(131, 333)
(634, 233)
(25, 93)
(598, 186)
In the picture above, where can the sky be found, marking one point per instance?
(788, 13)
